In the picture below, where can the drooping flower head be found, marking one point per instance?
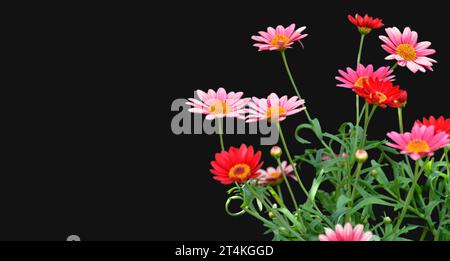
(274, 176)
(440, 124)
(404, 48)
(278, 39)
(219, 104)
(274, 108)
(382, 93)
(355, 79)
(236, 165)
(420, 142)
(346, 233)
(365, 24)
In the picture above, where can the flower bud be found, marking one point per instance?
(387, 220)
(373, 172)
(361, 156)
(276, 152)
(271, 215)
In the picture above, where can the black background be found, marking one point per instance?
(92, 151)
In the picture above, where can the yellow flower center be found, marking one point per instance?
(280, 40)
(219, 107)
(381, 97)
(239, 171)
(275, 112)
(418, 146)
(406, 51)
(360, 82)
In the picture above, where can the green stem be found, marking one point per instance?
(279, 191)
(355, 183)
(358, 61)
(219, 123)
(286, 66)
(361, 43)
(287, 183)
(400, 118)
(424, 234)
(394, 66)
(409, 197)
(367, 121)
(288, 154)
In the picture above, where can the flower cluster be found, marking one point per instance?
(341, 160)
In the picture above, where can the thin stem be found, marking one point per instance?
(361, 43)
(355, 183)
(394, 66)
(288, 154)
(279, 191)
(287, 183)
(358, 61)
(400, 118)
(367, 121)
(219, 123)
(286, 66)
(409, 197)
(424, 234)
(357, 109)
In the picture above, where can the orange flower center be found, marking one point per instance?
(360, 82)
(239, 171)
(280, 40)
(219, 107)
(406, 51)
(275, 112)
(417, 146)
(381, 97)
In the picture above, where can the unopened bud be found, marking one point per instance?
(276, 152)
(361, 156)
(387, 220)
(373, 172)
(271, 215)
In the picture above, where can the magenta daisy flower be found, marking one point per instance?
(404, 48)
(278, 39)
(346, 233)
(219, 104)
(356, 79)
(421, 141)
(274, 108)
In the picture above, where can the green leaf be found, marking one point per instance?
(374, 200)
(429, 208)
(298, 129)
(315, 185)
(259, 203)
(316, 128)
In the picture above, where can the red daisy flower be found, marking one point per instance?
(440, 124)
(236, 165)
(365, 24)
(382, 92)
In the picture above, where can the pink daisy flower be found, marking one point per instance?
(346, 233)
(219, 104)
(421, 141)
(273, 176)
(278, 39)
(352, 78)
(274, 108)
(404, 48)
